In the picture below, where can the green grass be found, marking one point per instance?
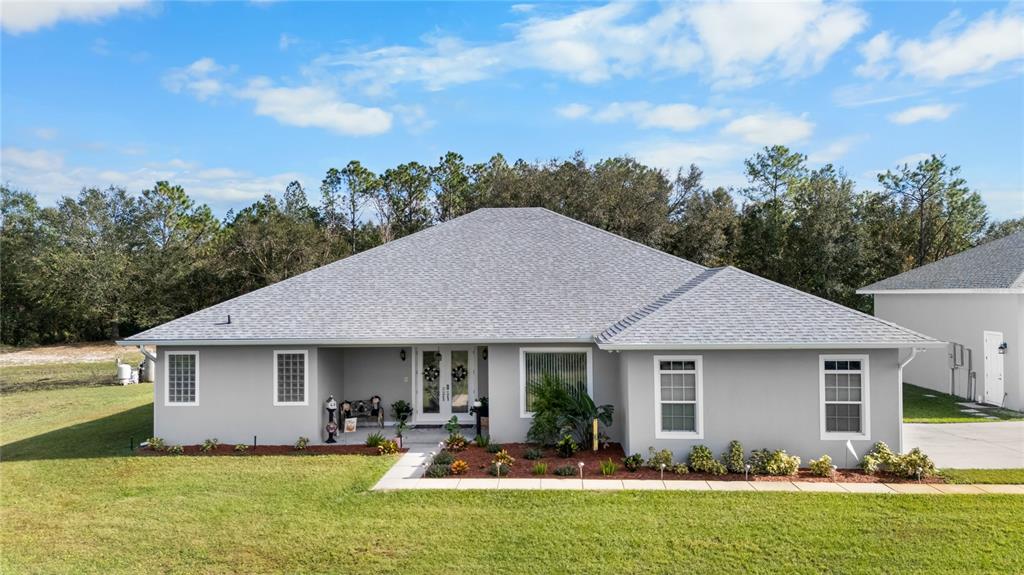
(1009, 476)
(943, 408)
(73, 502)
(61, 375)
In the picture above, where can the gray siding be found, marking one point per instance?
(764, 399)
(236, 399)
(961, 318)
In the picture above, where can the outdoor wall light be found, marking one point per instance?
(484, 354)
(401, 354)
(1002, 348)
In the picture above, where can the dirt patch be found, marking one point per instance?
(479, 461)
(225, 449)
(67, 353)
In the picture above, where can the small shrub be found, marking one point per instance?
(633, 462)
(680, 469)
(209, 445)
(494, 447)
(655, 459)
(822, 467)
(565, 471)
(566, 447)
(301, 444)
(909, 464)
(609, 467)
(759, 461)
(733, 457)
(241, 447)
(156, 443)
(456, 442)
(781, 463)
(175, 450)
(458, 467)
(389, 447)
(482, 440)
(453, 426)
(702, 460)
(504, 459)
(444, 458)
(437, 471)
(375, 439)
(539, 468)
(534, 453)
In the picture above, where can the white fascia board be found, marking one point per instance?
(755, 346)
(989, 291)
(346, 342)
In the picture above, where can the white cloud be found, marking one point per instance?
(314, 106)
(573, 111)
(414, 118)
(522, 8)
(285, 41)
(679, 117)
(45, 133)
(876, 53)
(304, 106)
(45, 173)
(933, 112)
(913, 159)
(200, 78)
(18, 17)
(835, 150)
(595, 44)
(746, 40)
(770, 128)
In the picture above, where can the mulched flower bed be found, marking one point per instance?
(479, 460)
(229, 449)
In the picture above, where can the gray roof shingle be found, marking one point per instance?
(527, 274)
(728, 306)
(998, 264)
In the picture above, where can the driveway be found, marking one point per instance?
(997, 445)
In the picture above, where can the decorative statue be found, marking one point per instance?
(332, 430)
(332, 407)
(346, 409)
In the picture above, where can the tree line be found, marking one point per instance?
(107, 263)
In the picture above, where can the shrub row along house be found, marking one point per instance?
(489, 303)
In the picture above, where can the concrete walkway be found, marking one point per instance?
(407, 473)
(995, 445)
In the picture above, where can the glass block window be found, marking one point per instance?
(182, 378)
(844, 395)
(290, 380)
(570, 368)
(677, 395)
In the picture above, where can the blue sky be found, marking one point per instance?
(233, 100)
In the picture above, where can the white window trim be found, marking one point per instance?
(522, 371)
(865, 398)
(167, 379)
(699, 412)
(305, 376)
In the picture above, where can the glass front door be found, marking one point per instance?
(447, 383)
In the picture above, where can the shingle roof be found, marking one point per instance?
(513, 273)
(998, 264)
(728, 306)
(526, 274)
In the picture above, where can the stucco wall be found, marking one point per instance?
(503, 386)
(961, 318)
(764, 399)
(236, 399)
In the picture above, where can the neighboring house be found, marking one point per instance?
(974, 299)
(485, 304)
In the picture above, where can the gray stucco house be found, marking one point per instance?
(975, 301)
(484, 304)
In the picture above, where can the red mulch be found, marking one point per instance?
(225, 449)
(479, 460)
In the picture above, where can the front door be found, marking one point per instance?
(447, 383)
(993, 368)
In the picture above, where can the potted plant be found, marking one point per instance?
(401, 410)
(480, 409)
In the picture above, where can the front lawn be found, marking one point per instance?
(1009, 476)
(940, 407)
(16, 378)
(73, 502)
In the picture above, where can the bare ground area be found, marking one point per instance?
(65, 353)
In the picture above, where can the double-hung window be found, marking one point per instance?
(678, 383)
(181, 378)
(291, 381)
(571, 367)
(844, 397)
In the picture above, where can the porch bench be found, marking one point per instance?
(368, 409)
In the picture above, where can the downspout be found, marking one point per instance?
(151, 357)
(899, 372)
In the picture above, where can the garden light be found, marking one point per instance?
(580, 464)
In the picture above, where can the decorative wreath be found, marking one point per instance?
(459, 374)
(431, 373)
